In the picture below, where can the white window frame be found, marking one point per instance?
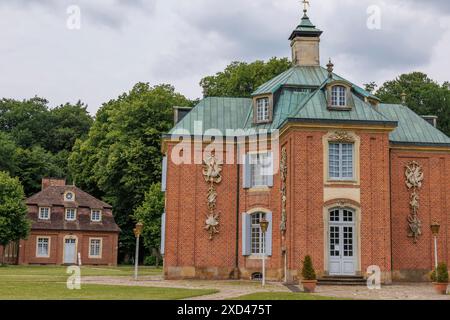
(339, 96)
(262, 109)
(340, 166)
(100, 249)
(74, 214)
(256, 167)
(100, 214)
(48, 246)
(256, 233)
(48, 215)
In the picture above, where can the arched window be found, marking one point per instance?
(256, 233)
(338, 96)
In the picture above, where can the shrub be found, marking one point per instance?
(442, 274)
(308, 272)
(150, 261)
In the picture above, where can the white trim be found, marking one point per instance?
(69, 200)
(49, 213)
(75, 214)
(48, 246)
(100, 249)
(100, 213)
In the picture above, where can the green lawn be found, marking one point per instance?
(283, 296)
(49, 283)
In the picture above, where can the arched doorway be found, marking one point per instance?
(342, 242)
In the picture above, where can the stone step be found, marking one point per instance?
(342, 281)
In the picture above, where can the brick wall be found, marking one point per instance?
(414, 260)
(189, 253)
(27, 252)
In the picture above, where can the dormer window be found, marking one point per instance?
(71, 214)
(338, 96)
(262, 109)
(96, 215)
(69, 196)
(44, 213)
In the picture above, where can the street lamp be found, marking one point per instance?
(264, 224)
(137, 233)
(435, 230)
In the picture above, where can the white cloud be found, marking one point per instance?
(122, 42)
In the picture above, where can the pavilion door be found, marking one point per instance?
(70, 251)
(341, 239)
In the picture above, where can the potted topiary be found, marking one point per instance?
(440, 278)
(309, 280)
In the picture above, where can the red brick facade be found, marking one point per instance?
(381, 201)
(82, 231)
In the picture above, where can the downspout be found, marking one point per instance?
(238, 185)
(390, 210)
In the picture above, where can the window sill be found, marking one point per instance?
(342, 182)
(259, 189)
(256, 257)
(338, 108)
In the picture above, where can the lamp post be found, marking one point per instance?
(264, 224)
(137, 233)
(435, 230)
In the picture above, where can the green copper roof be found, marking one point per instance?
(304, 76)
(305, 29)
(412, 128)
(215, 113)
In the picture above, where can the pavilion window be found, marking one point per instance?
(340, 161)
(338, 96)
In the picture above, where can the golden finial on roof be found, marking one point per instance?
(305, 6)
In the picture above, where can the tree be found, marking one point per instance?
(423, 95)
(240, 79)
(33, 164)
(149, 213)
(370, 87)
(7, 150)
(121, 157)
(68, 123)
(14, 223)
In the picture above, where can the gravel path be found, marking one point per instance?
(233, 289)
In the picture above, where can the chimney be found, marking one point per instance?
(52, 182)
(305, 40)
(431, 120)
(179, 113)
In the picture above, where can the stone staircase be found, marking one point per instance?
(342, 281)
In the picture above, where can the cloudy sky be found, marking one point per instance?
(121, 42)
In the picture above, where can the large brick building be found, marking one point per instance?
(68, 225)
(349, 180)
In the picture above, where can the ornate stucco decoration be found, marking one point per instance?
(414, 178)
(342, 136)
(283, 175)
(212, 173)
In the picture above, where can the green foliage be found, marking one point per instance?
(149, 213)
(442, 274)
(240, 79)
(370, 87)
(7, 150)
(423, 95)
(35, 141)
(121, 157)
(308, 272)
(14, 223)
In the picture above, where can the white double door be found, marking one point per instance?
(341, 243)
(70, 251)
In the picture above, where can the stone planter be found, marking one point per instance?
(441, 288)
(309, 286)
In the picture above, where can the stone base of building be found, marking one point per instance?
(413, 275)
